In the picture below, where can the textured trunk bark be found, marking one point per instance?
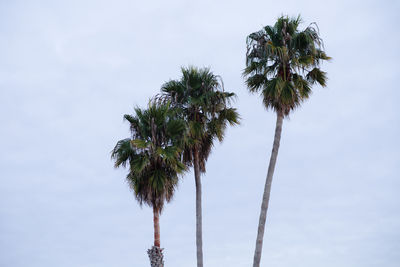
(267, 190)
(199, 229)
(156, 257)
(156, 220)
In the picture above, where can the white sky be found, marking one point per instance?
(69, 70)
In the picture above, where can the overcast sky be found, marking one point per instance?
(69, 70)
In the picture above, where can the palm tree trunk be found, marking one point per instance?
(156, 221)
(155, 253)
(199, 228)
(267, 190)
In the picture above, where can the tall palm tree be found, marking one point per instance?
(282, 63)
(153, 156)
(206, 109)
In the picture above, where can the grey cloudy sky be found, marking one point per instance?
(69, 70)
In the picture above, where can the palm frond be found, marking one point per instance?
(122, 152)
(317, 76)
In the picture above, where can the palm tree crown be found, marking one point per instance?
(153, 154)
(283, 63)
(205, 107)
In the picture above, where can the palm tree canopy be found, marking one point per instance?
(205, 107)
(282, 63)
(153, 153)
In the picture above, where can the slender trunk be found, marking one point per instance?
(199, 229)
(156, 253)
(267, 190)
(156, 220)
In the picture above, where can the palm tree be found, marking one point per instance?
(206, 109)
(282, 63)
(153, 155)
